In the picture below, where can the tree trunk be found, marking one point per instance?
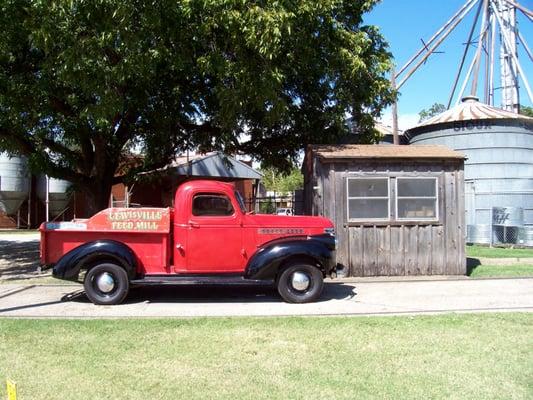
(97, 195)
(98, 188)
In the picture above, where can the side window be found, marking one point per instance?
(392, 199)
(417, 199)
(368, 199)
(211, 204)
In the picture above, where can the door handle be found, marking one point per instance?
(194, 224)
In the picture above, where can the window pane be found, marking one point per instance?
(416, 187)
(368, 209)
(368, 187)
(211, 205)
(417, 208)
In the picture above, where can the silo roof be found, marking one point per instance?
(374, 151)
(471, 109)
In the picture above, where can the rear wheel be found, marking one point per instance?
(106, 284)
(300, 283)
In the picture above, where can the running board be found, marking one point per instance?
(215, 280)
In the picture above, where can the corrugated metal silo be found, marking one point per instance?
(14, 183)
(499, 147)
(58, 194)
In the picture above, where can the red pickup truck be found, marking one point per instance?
(207, 238)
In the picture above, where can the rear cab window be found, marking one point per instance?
(212, 205)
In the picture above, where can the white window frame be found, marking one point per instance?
(348, 198)
(435, 198)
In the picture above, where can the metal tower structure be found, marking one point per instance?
(498, 28)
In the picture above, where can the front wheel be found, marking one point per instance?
(300, 283)
(106, 284)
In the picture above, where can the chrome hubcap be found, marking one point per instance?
(105, 282)
(300, 281)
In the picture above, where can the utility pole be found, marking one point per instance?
(395, 138)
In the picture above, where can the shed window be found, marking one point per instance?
(368, 199)
(416, 199)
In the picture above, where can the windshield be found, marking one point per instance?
(240, 200)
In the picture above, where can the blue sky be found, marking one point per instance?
(404, 22)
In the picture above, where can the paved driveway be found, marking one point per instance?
(344, 298)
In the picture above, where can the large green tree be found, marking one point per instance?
(282, 182)
(85, 83)
(526, 110)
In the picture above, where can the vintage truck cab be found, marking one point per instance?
(206, 238)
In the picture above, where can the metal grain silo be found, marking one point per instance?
(14, 183)
(499, 168)
(58, 194)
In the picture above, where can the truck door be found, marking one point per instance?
(214, 235)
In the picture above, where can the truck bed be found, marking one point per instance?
(145, 230)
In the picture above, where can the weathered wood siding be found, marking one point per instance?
(395, 248)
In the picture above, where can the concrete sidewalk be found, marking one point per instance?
(503, 261)
(345, 298)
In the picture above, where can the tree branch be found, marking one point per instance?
(113, 57)
(23, 145)
(124, 132)
(87, 151)
(204, 128)
(60, 148)
(60, 106)
(60, 172)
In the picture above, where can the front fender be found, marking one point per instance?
(266, 262)
(68, 267)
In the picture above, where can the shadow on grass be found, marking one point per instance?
(216, 294)
(471, 265)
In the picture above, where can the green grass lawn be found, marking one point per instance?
(497, 252)
(507, 271)
(450, 357)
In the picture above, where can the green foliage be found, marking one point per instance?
(435, 109)
(267, 207)
(526, 110)
(82, 83)
(282, 182)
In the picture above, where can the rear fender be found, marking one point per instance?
(69, 266)
(267, 261)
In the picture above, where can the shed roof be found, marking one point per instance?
(374, 151)
(215, 164)
(471, 109)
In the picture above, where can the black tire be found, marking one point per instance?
(291, 294)
(120, 284)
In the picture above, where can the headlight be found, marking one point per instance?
(329, 231)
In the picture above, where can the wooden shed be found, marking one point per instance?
(398, 210)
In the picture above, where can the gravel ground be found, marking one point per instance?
(19, 258)
(361, 298)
